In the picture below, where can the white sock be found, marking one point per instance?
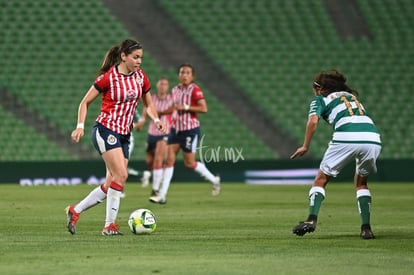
(363, 193)
(317, 189)
(204, 172)
(156, 178)
(96, 196)
(112, 205)
(168, 174)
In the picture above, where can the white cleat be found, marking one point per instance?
(158, 199)
(215, 191)
(132, 172)
(145, 178)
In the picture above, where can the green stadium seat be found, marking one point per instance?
(287, 43)
(300, 48)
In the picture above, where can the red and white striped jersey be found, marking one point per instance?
(161, 105)
(120, 96)
(182, 121)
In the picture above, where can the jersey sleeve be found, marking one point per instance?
(197, 94)
(102, 82)
(146, 86)
(316, 107)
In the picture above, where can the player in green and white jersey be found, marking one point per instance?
(355, 138)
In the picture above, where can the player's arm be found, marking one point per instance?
(310, 130)
(152, 112)
(167, 111)
(201, 107)
(90, 96)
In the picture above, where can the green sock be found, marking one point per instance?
(316, 197)
(364, 205)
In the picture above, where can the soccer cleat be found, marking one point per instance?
(366, 232)
(112, 230)
(304, 227)
(215, 190)
(158, 199)
(154, 193)
(145, 178)
(72, 218)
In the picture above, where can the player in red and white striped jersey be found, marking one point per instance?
(121, 83)
(164, 105)
(185, 131)
(157, 142)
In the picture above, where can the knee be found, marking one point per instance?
(190, 164)
(321, 179)
(158, 160)
(120, 177)
(170, 161)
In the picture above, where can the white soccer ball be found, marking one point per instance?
(142, 221)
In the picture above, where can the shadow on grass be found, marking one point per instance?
(355, 236)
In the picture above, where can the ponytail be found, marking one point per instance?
(112, 57)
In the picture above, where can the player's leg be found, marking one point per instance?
(158, 163)
(364, 205)
(172, 151)
(334, 159)
(316, 197)
(200, 168)
(365, 164)
(117, 163)
(189, 155)
(132, 171)
(95, 197)
(146, 174)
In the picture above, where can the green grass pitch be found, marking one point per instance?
(246, 230)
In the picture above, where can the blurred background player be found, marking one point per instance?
(355, 138)
(185, 132)
(137, 126)
(157, 142)
(121, 83)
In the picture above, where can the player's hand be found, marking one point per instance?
(299, 152)
(77, 134)
(161, 127)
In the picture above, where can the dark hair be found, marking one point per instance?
(163, 78)
(113, 55)
(331, 82)
(186, 65)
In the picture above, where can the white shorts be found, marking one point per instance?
(338, 155)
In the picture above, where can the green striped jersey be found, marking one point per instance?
(347, 116)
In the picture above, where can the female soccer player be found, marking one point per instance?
(355, 137)
(185, 131)
(121, 83)
(138, 123)
(157, 142)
